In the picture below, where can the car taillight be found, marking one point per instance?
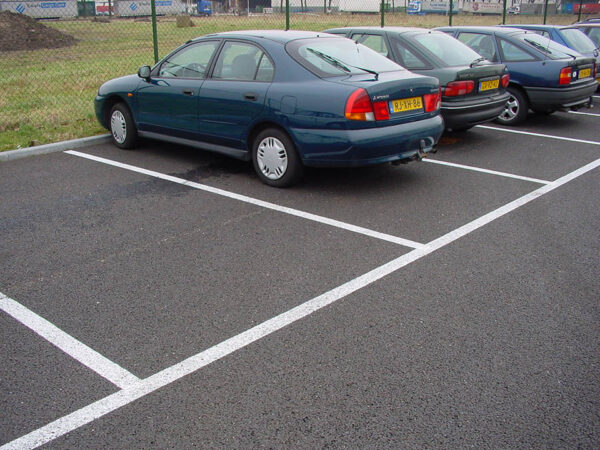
(381, 110)
(505, 80)
(359, 107)
(455, 88)
(565, 75)
(433, 102)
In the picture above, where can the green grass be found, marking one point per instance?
(47, 95)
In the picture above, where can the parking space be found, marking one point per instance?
(502, 149)
(383, 198)
(39, 382)
(431, 356)
(166, 260)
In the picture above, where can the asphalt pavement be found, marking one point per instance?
(165, 298)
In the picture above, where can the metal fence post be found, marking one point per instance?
(504, 13)
(154, 35)
(382, 13)
(545, 10)
(450, 13)
(287, 15)
(580, 8)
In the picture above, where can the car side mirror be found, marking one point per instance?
(144, 72)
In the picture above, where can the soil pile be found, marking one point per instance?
(20, 32)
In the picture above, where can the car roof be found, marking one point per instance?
(542, 27)
(494, 29)
(393, 29)
(274, 35)
(537, 26)
(586, 25)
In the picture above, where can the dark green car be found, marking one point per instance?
(473, 89)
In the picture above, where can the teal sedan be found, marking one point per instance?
(281, 99)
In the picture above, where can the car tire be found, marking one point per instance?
(275, 158)
(122, 127)
(516, 108)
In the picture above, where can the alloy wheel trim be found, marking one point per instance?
(272, 158)
(118, 126)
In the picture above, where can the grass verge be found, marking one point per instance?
(47, 95)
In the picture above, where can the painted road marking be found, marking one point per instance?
(144, 387)
(584, 113)
(492, 172)
(529, 133)
(254, 201)
(68, 344)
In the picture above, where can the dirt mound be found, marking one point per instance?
(20, 32)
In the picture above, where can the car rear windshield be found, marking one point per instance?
(578, 40)
(328, 57)
(550, 48)
(450, 51)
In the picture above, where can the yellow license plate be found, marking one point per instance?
(584, 73)
(406, 104)
(489, 85)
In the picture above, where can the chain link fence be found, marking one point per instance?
(54, 54)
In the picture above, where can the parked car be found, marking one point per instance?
(514, 9)
(283, 99)
(591, 28)
(473, 89)
(544, 75)
(569, 36)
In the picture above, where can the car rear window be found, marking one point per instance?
(447, 49)
(578, 40)
(552, 49)
(328, 57)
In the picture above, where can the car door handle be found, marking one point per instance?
(250, 96)
(188, 91)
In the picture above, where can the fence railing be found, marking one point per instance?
(54, 54)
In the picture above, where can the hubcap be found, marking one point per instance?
(511, 109)
(118, 126)
(272, 158)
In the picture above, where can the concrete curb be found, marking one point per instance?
(56, 147)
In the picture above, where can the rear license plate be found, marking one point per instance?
(584, 73)
(489, 85)
(406, 104)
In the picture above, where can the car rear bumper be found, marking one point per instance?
(467, 113)
(345, 148)
(570, 97)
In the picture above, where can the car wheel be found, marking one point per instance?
(515, 110)
(122, 127)
(275, 158)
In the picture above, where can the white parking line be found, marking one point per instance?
(584, 113)
(254, 201)
(68, 344)
(529, 133)
(144, 387)
(491, 172)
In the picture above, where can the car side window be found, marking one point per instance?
(540, 32)
(407, 58)
(513, 53)
(265, 69)
(189, 62)
(373, 41)
(243, 62)
(481, 43)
